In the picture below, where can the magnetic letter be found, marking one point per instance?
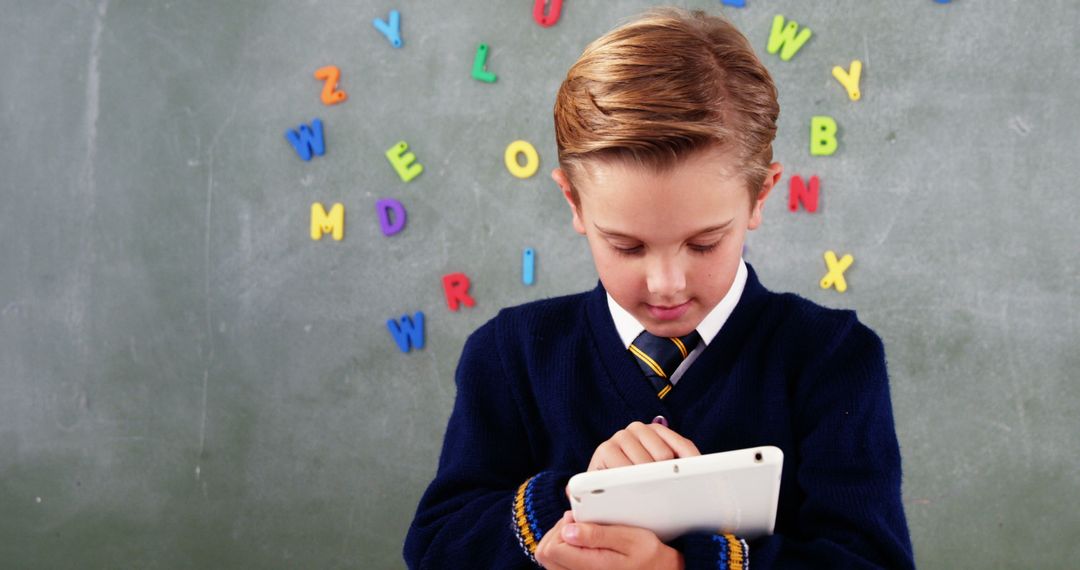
(330, 94)
(835, 277)
(456, 286)
(403, 162)
(787, 37)
(408, 331)
(391, 30)
(528, 266)
(797, 192)
(307, 140)
(554, 9)
(385, 207)
(850, 81)
(822, 136)
(532, 160)
(479, 66)
(322, 223)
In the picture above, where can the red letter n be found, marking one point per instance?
(456, 286)
(799, 193)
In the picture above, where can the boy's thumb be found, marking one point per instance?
(578, 534)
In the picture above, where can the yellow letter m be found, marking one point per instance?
(323, 223)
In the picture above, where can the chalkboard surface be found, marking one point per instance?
(189, 380)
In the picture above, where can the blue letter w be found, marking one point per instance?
(307, 140)
(408, 330)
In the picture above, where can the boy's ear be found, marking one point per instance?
(560, 178)
(776, 170)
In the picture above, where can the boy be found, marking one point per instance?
(664, 129)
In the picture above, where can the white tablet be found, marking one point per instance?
(730, 492)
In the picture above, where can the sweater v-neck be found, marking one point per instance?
(714, 364)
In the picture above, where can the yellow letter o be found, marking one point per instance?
(532, 160)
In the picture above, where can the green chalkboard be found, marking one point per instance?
(188, 380)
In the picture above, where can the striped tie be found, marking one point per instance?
(659, 357)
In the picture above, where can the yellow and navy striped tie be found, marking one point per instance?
(659, 357)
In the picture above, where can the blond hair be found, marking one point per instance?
(663, 86)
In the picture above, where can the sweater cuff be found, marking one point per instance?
(702, 550)
(539, 503)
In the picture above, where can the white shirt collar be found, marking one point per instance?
(629, 328)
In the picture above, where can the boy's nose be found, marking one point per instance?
(665, 278)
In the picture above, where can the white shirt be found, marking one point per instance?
(629, 328)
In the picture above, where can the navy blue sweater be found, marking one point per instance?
(541, 385)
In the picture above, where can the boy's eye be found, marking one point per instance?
(703, 248)
(627, 250)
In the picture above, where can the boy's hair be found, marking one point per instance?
(663, 86)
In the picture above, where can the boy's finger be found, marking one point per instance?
(567, 556)
(630, 444)
(653, 443)
(584, 535)
(553, 557)
(613, 458)
(617, 538)
(683, 447)
(607, 456)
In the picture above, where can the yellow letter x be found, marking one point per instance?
(835, 277)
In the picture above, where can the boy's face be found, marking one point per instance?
(667, 245)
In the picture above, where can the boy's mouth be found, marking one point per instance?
(668, 313)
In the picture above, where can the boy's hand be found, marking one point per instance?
(641, 443)
(582, 546)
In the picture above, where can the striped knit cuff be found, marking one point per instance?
(723, 551)
(734, 553)
(538, 504)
